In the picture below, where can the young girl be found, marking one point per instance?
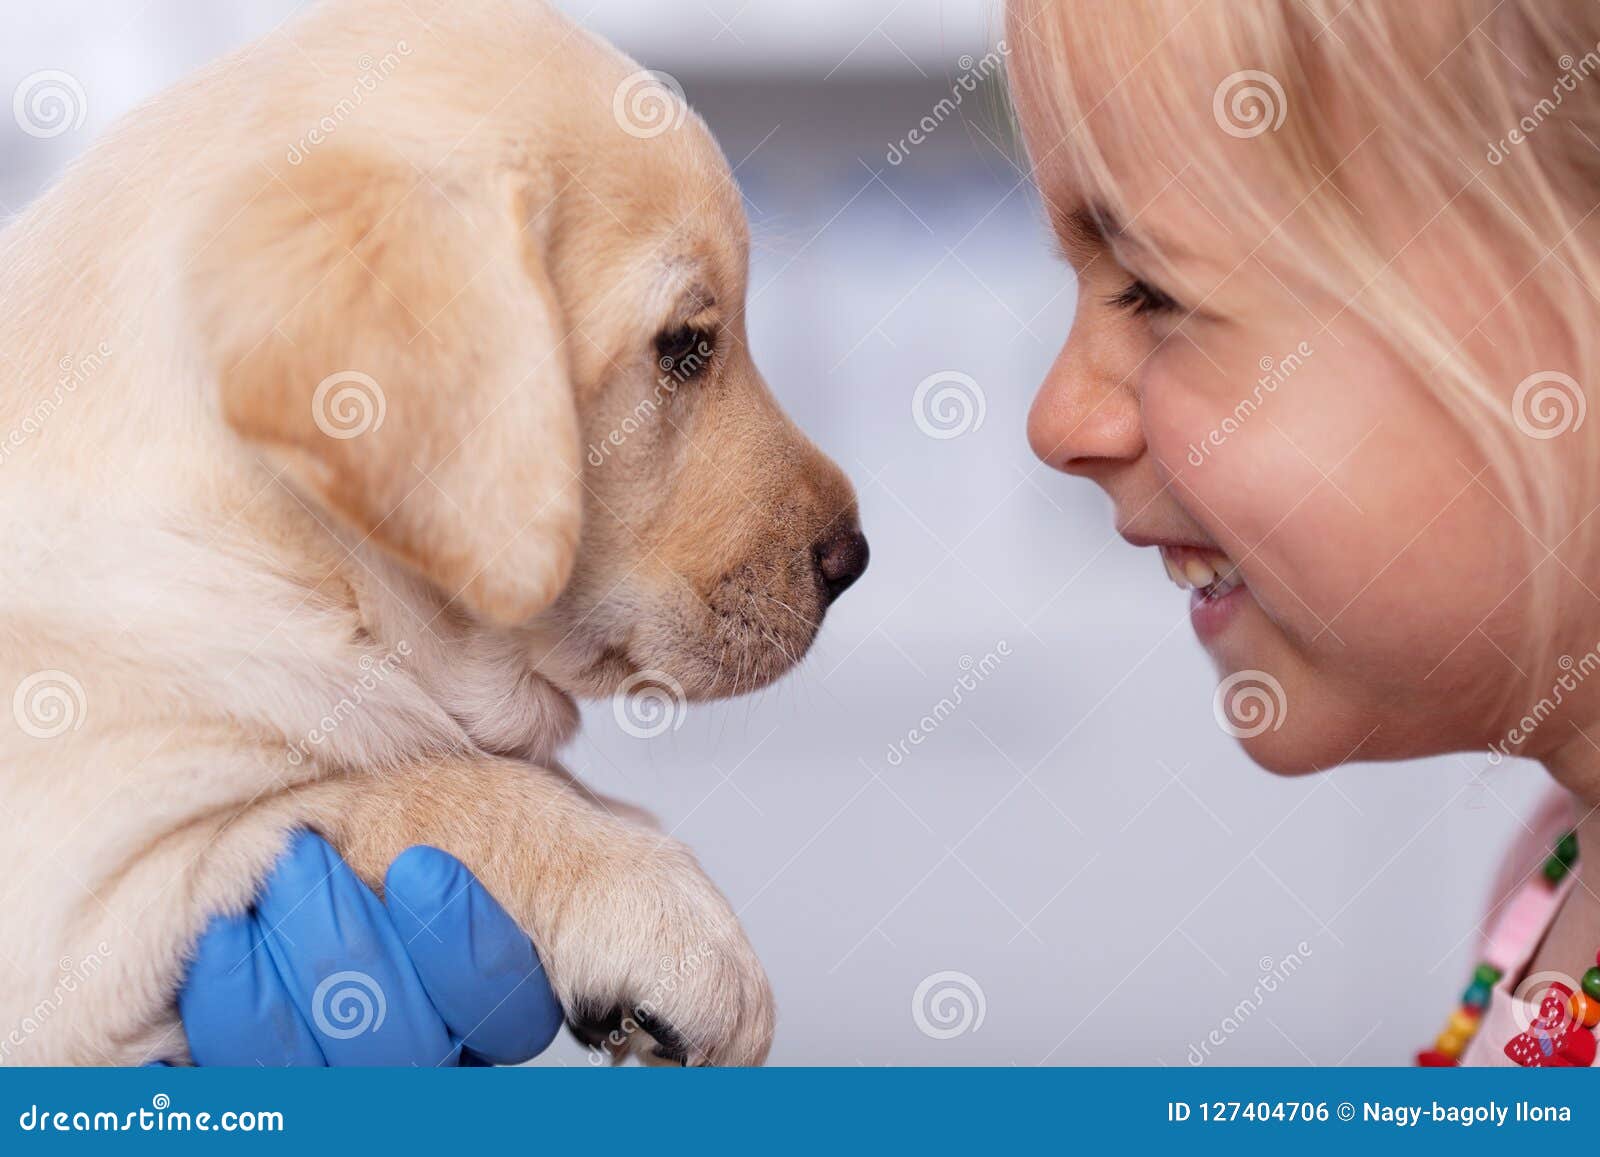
(1339, 269)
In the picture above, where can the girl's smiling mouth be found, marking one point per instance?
(1215, 581)
(1208, 572)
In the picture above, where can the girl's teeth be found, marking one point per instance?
(1198, 573)
(1224, 585)
(1212, 572)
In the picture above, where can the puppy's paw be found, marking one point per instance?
(649, 961)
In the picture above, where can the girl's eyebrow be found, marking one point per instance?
(1096, 222)
(1095, 225)
(1086, 226)
(1079, 230)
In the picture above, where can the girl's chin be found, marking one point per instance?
(1286, 756)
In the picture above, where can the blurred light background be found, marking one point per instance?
(1076, 866)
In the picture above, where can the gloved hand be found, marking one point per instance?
(320, 972)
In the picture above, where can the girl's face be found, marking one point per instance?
(1350, 563)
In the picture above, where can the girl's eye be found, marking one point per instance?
(1140, 297)
(685, 352)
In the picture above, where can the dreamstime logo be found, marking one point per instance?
(374, 673)
(74, 974)
(948, 1004)
(1574, 673)
(647, 104)
(973, 75)
(49, 103)
(973, 672)
(1573, 73)
(1250, 703)
(674, 373)
(674, 971)
(160, 1117)
(1544, 1001)
(1274, 372)
(649, 703)
(347, 1004)
(348, 404)
(1550, 1031)
(372, 73)
(1248, 103)
(74, 372)
(948, 404)
(1273, 973)
(1548, 404)
(49, 703)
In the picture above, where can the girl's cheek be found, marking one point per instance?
(1191, 432)
(1167, 408)
(1346, 492)
(1227, 464)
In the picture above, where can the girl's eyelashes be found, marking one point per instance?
(1140, 297)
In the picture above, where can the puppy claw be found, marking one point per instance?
(668, 977)
(596, 1031)
(670, 1043)
(641, 1033)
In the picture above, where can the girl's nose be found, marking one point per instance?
(1085, 419)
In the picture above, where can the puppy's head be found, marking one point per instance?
(715, 535)
(526, 375)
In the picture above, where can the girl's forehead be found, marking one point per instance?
(1114, 98)
(1116, 108)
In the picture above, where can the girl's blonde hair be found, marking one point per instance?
(1482, 114)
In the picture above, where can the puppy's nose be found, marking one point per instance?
(841, 559)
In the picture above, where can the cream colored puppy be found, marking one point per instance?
(369, 396)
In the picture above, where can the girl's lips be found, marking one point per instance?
(1216, 586)
(1210, 613)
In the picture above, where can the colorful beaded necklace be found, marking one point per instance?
(1562, 1035)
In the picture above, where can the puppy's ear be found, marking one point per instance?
(396, 348)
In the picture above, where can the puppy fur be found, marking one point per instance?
(222, 622)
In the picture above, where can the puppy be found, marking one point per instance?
(366, 398)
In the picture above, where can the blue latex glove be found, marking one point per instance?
(320, 972)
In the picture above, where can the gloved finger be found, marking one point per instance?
(480, 969)
(234, 1006)
(345, 967)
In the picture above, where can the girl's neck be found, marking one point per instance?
(1576, 766)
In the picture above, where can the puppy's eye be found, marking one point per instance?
(685, 352)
